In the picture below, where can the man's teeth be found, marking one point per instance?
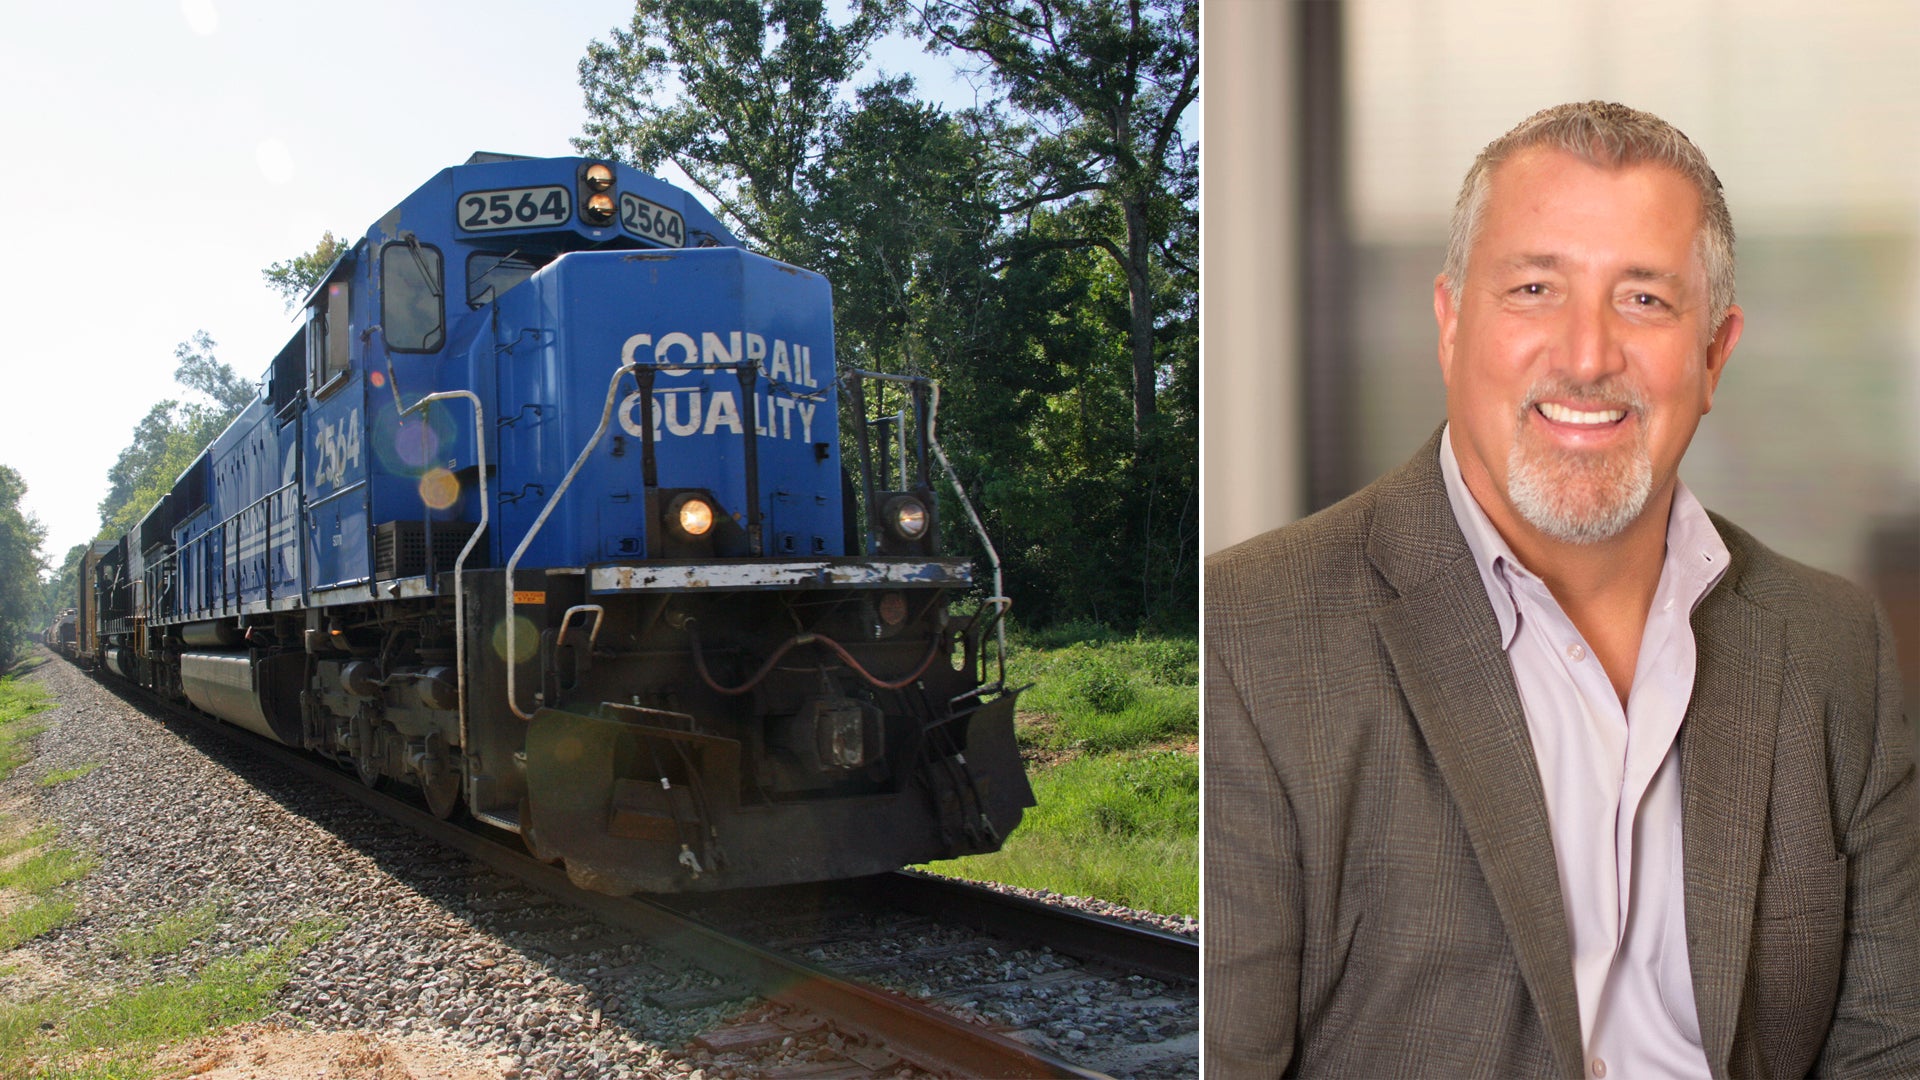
(1564, 415)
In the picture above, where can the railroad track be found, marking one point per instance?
(871, 1011)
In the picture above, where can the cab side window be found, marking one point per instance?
(329, 335)
(411, 315)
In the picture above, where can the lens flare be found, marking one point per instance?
(526, 639)
(412, 444)
(439, 489)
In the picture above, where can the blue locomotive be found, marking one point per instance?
(543, 510)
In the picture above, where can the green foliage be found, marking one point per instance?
(737, 93)
(1038, 264)
(1108, 694)
(296, 278)
(172, 435)
(1123, 827)
(196, 369)
(1118, 815)
(1110, 82)
(20, 538)
(61, 591)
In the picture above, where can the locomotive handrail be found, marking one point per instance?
(748, 372)
(155, 569)
(599, 614)
(999, 597)
(606, 418)
(459, 575)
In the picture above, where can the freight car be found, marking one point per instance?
(543, 511)
(60, 636)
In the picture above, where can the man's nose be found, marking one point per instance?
(1592, 348)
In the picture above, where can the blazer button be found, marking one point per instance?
(1599, 1068)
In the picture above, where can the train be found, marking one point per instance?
(560, 508)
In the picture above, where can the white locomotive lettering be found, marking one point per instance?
(677, 353)
(689, 410)
(336, 447)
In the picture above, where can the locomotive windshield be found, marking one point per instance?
(490, 273)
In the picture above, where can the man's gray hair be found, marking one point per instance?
(1609, 136)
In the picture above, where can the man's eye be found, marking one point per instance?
(1647, 300)
(1532, 288)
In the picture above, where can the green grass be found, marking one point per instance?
(40, 873)
(39, 879)
(1121, 827)
(1107, 727)
(175, 932)
(1107, 694)
(18, 700)
(26, 923)
(61, 776)
(115, 1037)
(27, 841)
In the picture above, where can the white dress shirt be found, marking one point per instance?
(1612, 782)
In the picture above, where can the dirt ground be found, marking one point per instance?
(273, 1052)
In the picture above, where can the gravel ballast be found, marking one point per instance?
(420, 950)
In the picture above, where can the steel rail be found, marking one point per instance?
(1089, 937)
(927, 1038)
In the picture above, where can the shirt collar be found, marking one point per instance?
(1696, 558)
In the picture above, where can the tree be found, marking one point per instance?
(295, 279)
(1115, 78)
(945, 264)
(61, 591)
(901, 220)
(737, 93)
(20, 538)
(198, 370)
(172, 434)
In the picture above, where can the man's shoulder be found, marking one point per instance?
(1324, 550)
(1343, 555)
(1817, 609)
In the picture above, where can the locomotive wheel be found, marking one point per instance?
(365, 764)
(439, 780)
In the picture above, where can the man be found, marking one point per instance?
(1518, 762)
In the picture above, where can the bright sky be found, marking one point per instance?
(157, 156)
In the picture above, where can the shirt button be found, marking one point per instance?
(1599, 1067)
(1576, 652)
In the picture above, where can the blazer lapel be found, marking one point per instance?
(1445, 649)
(1444, 643)
(1726, 765)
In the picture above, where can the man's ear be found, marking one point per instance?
(1720, 350)
(1448, 319)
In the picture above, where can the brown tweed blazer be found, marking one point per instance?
(1381, 898)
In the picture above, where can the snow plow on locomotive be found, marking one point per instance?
(543, 511)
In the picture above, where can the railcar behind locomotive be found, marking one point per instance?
(543, 511)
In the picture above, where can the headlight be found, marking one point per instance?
(691, 515)
(906, 517)
(599, 177)
(598, 208)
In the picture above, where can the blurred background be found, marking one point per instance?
(1336, 135)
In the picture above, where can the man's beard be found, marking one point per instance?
(1581, 496)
